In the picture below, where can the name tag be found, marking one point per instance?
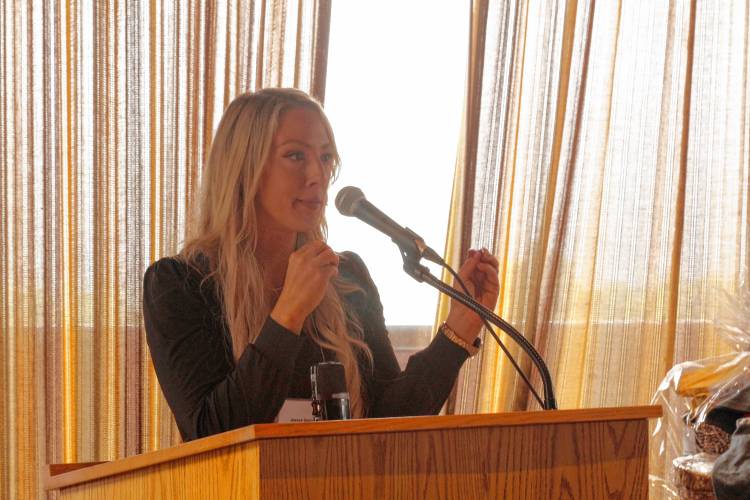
(295, 410)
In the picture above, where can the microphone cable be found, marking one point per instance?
(497, 339)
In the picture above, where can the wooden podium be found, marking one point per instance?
(592, 453)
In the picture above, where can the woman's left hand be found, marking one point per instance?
(480, 274)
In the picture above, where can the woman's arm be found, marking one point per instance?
(423, 387)
(207, 392)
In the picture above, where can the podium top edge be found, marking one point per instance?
(74, 475)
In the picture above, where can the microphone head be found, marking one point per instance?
(348, 199)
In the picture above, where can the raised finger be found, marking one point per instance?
(328, 257)
(486, 256)
(488, 270)
(470, 264)
(313, 247)
(488, 281)
(331, 271)
(324, 250)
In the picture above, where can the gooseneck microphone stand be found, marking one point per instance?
(412, 267)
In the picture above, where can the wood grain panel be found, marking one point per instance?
(600, 460)
(226, 473)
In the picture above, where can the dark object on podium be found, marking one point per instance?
(330, 398)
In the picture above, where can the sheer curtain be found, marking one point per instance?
(107, 109)
(606, 161)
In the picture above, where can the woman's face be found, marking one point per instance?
(294, 187)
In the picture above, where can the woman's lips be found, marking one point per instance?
(311, 205)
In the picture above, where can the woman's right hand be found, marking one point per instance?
(308, 273)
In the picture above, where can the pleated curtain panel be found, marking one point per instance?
(605, 159)
(107, 109)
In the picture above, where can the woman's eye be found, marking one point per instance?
(296, 155)
(326, 158)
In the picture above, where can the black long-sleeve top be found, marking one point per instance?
(208, 392)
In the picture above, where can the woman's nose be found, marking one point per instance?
(317, 172)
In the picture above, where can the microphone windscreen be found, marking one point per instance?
(326, 379)
(347, 200)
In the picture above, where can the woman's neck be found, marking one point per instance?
(273, 251)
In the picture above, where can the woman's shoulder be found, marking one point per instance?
(170, 274)
(352, 268)
(179, 266)
(361, 297)
(168, 269)
(363, 293)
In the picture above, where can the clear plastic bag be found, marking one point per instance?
(701, 400)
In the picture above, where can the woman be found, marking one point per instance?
(256, 297)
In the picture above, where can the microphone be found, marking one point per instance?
(351, 201)
(330, 398)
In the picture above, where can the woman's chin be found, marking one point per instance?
(308, 221)
(307, 226)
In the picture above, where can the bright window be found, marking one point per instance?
(394, 95)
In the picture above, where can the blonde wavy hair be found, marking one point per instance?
(224, 233)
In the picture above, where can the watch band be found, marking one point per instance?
(451, 335)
